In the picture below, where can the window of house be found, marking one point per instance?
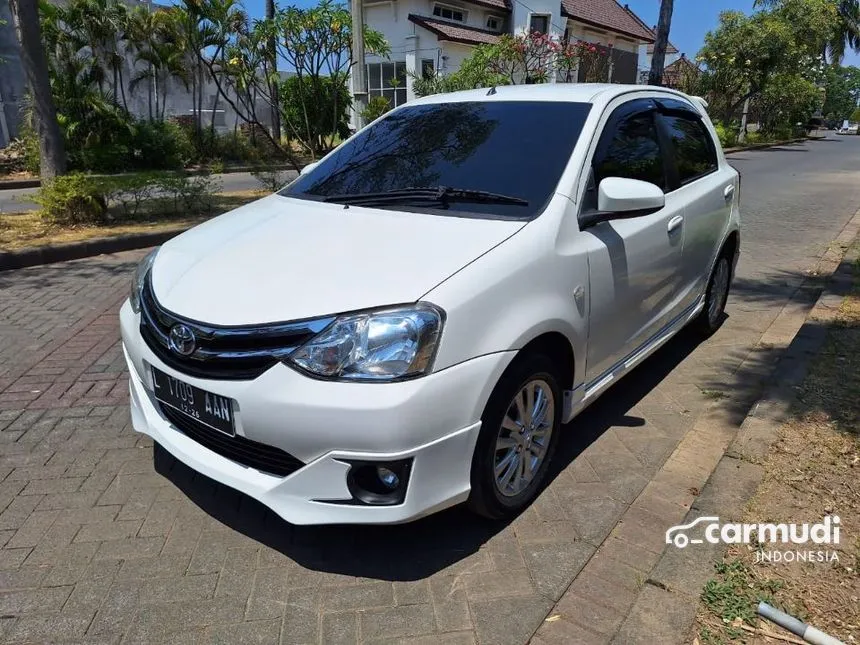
(388, 80)
(494, 23)
(428, 68)
(694, 150)
(539, 23)
(633, 152)
(449, 13)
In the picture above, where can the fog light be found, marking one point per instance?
(388, 477)
(378, 483)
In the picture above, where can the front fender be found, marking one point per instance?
(503, 300)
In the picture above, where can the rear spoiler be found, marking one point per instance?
(701, 102)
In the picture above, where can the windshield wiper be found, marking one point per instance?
(437, 194)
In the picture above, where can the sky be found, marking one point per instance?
(691, 19)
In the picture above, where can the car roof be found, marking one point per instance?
(568, 92)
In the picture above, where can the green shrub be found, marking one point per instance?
(161, 145)
(376, 107)
(186, 192)
(314, 113)
(208, 146)
(131, 191)
(87, 199)
(73, 199)
(727, 135)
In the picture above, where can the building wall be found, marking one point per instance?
(12, 81)
(180, 100)
(625, 52)
(645, 63)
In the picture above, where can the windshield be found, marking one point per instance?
(515, 149)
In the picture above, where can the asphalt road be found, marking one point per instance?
(794, 201)
(99, 543)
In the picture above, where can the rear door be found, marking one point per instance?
(706, 190)
(634, 276)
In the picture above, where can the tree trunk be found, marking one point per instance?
(52, 152)
(655, 77)
(214, 107)
(273, 87)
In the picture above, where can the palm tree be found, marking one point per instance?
(273, 62)
(846, 32)
(157, 41)
(658, 59)
(52, 155)
(101, 27)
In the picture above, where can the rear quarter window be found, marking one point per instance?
(695, 153)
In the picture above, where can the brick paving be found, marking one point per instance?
(104, 538)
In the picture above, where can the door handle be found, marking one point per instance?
(675, 222)
(729, 192)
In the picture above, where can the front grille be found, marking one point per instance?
(243, 451)
(223, 353)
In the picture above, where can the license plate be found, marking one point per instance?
(211, 409)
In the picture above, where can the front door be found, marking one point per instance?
(634, 264)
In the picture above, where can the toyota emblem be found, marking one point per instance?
(182, 340)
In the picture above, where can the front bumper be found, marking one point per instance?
(434, 420)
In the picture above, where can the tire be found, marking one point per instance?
(490, 497)
(712, 316)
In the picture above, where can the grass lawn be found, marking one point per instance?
(28, 230)
(813, 470)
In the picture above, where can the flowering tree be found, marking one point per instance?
(316, 42)
(747, 53)
(522, 59)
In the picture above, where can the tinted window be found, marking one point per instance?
(694, 151)
(515, 148)
(633, 152)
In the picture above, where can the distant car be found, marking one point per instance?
(408, 324)
(851, 129)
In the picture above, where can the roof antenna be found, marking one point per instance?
(492, 91)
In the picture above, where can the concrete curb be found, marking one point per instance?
(14, 184)
(761, 146)
(76, 250)
(665, 607)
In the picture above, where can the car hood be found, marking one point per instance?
(280, 259)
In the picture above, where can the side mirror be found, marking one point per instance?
(629, 196)
(620, 197)
(309, 167)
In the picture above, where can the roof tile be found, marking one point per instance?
(670, 49)
(457, 33)
(607, 14)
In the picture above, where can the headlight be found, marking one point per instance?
(139, 277)
(380, 345)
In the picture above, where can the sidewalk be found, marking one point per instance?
(636, 589)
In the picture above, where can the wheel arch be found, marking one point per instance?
(558, 348)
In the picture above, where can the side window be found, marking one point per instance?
(694, 150)
(633, 152)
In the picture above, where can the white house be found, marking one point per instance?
(439, 35)
(646, 51)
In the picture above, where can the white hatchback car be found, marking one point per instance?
(408, 324)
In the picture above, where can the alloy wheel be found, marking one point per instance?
(719, 292)
(524, 437)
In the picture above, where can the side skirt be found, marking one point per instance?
(576, 400)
